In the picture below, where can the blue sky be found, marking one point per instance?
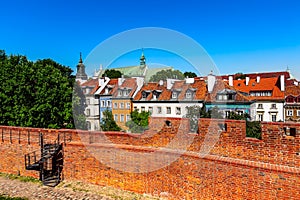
(240, 36)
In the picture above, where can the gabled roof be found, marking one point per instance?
(127, 83)
(199, 87)
(92, 83)
(220, 86)
(265, 84)
(260, 74)
(150, 88)
(111, 84)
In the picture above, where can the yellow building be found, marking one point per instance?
(122, 99)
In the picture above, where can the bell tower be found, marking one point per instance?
(81, 75)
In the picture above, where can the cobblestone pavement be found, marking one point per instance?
(32, 191)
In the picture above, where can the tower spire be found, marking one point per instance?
(80, 59)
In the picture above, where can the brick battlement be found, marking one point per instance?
(219, 163)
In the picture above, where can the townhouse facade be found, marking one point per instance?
(292, 103)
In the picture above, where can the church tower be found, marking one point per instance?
(142, 60)
(81, 75)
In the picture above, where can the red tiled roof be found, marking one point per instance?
(293, 90)
(221, 85)
(113, 83)
(265, 84)
(198, 85)
(128, 83)
(90, 83)
(165, 94)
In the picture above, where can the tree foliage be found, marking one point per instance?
(79, 105)
(139, 121)
(164, 74)
(108, 123)
(112, 73)
(35, 94)
(190, 74)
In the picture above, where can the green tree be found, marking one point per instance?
(190, 74)
(112, 73)
(36, 94)
(164, 74)
(139, 121)
(79, 105)
(108, 123)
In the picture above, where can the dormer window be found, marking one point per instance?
(120, 92)
(188, 95)
(145, 94)
(174, 95)
(156, 94)
(226, 95)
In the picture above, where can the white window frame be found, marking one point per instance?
(108, 103)
(150, 109)
(128, 105)
(174, 95)
(122, 118)
(115, 105)
(103, 103)
(289, 113)
(298, 113)
(273, 119)
(116, 117)
(128, 118)
(169, 110)
(142, 108)
(121, 105)
(159, 110)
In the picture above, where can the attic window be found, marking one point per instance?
(239, 84)
(174, 95)
(144, 94)
(188, 95)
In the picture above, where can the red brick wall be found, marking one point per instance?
(236, 167)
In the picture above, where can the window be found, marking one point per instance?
(119, 92)
(87, 101)
(128, 105)
(115, 105)
(273, 106)
(108, 103)
(122, 105)
(273, 118)
(174, 95)
(240, 112)
(260, 106)
(178, 111)
(290, 99)
(150, 109)
(260, 117)
(289, 113)
(231, 97)
(116, 117)
(298, 113)
(159, 110)
(143, 108)
(128, 118)
(227, 113)
(121, 118)
(298, 99)
(102, 103)
(135, 108)
(144, 94)
(188, 95)
(168, 110)
(88, 112)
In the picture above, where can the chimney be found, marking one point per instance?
(230, 79)
(189, 80)
(258, 79)
(211, 80)
(247, 80)
(170, 83)
(121, 80)
(282, 84)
